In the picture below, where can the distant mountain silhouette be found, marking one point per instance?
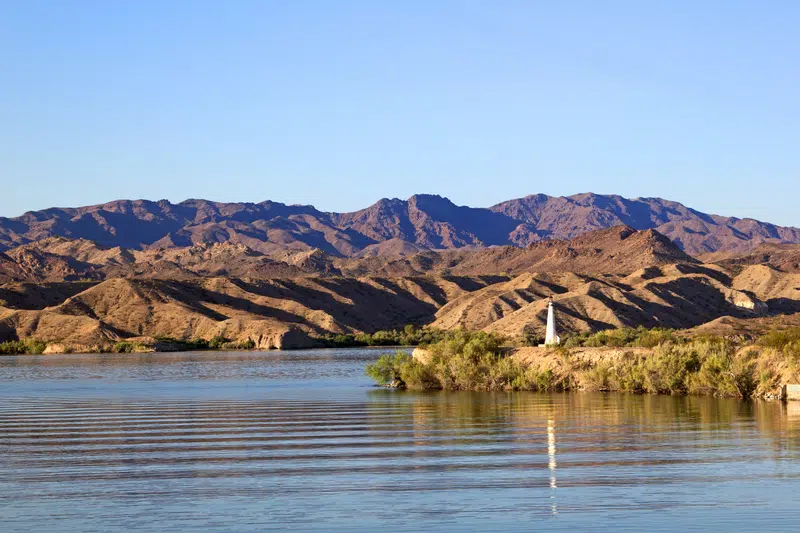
(421, 222)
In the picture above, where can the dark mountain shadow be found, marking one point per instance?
(436, 293)
(470, 284)
(490, 227)
(187, 294)
(784, 306)
(242, 304)
(596, 325)
(37, 296)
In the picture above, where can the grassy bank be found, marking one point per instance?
(638, 361)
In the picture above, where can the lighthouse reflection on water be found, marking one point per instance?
(551, 454)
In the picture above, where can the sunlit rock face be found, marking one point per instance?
(744, 301)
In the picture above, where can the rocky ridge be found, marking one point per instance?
(389, 227)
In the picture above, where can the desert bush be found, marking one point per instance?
(23, 347)
(249, 344)
(465, 361)
(386, 370)
(780, 338)
(217, 342)
(629, 375)
(125, 347)
(650, 338)
(622, 338)
(410, 335)
(418, 376)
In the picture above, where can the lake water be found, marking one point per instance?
(302, 441)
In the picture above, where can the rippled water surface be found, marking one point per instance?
(301, 440)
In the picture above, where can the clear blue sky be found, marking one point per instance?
(340, 103)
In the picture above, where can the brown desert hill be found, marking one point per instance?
(219, 259)
(60, 259)
(29, 263)
(423, 221)
(780, 290)
(392, 248)
(271, 313)
(673, 296)
(619, 249)
(39, 295)
(784, 257)
(747, 328)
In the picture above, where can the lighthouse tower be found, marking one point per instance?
(550, 337)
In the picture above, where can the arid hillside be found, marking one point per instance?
(388, 227)
(620, 249)
(783, 257)
(273, 313)
(76, 294)
(614, 250)
(673, 296)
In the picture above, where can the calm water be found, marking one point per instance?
(301, 441)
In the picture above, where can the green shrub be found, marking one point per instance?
(249, 344)
(27, 346)
(622, 338)
(387, 369)
(125, 347)
(217, 342)
(463, 361)
(597, 378)
(780, 339)
(410, 335)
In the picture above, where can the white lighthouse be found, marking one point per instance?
(550, 338)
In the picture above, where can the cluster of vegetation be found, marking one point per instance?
(408, 336)
(709, 365)
(463, 360)
(640, 337)
(128, 347)
(27, 346)
(216, 343)
(223, 343)
(785, 341)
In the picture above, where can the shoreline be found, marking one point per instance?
(707, 367)
(81, 351)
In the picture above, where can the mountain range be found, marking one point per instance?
(390, 227)
(273, 275)
(57, 259)
(76, 295)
